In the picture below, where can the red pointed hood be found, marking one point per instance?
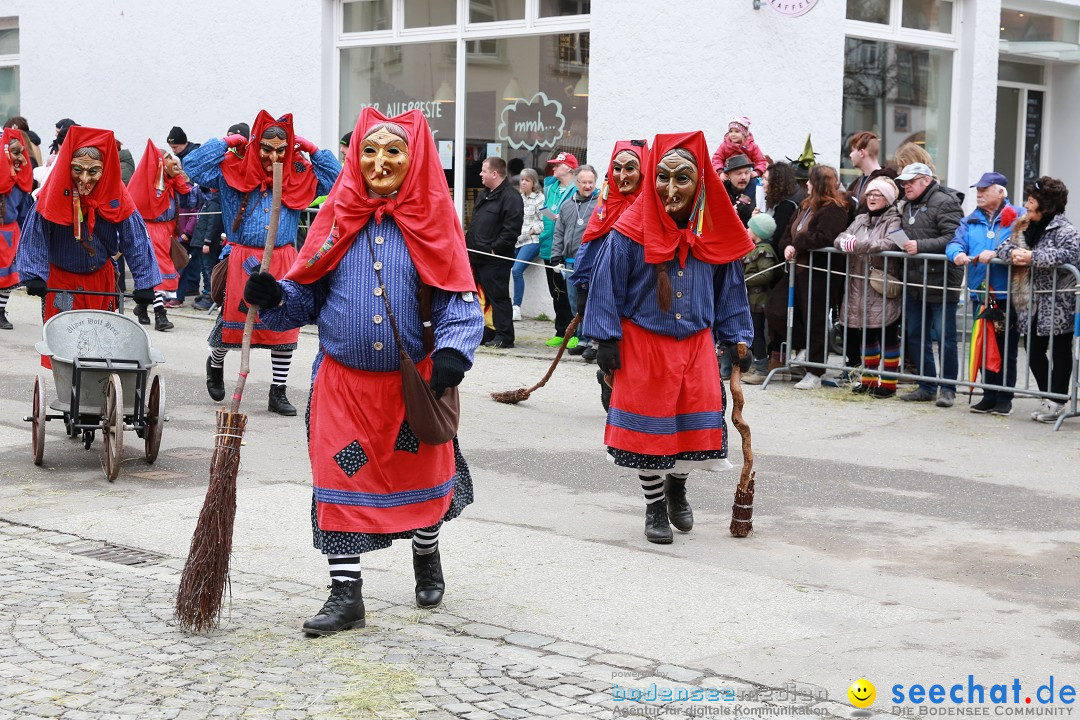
(422, 208)
(714, 233)
(612, 202)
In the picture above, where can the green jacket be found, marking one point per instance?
(761, 258)
(554, 195)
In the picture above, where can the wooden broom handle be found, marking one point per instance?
(249, 322)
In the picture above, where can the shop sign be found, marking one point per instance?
(792, 8)
(532, 124)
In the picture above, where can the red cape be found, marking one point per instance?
(714, 233)
(150, 178)
(8, 179)
(612, 202)
(243, 170)
(109, 198)
(422, 208)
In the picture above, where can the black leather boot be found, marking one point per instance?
(344, 609)
(429, 579)
(279, 403)
(679, 512)
(140, 314)
(215, 382)
(657, 529)
(605, 390)
(161, 320)
(5, 324)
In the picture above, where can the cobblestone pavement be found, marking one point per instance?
(83, 637)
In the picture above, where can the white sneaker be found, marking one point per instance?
(1053, 414)
(517, 313)
(809, 382)
(1044, 408)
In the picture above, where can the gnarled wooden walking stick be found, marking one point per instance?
(742, 512)
(206, 572)
(513, 397)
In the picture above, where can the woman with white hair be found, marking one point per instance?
(873, 302)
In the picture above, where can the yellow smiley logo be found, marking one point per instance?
(862, 693)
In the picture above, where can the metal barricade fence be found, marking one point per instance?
(924, 319)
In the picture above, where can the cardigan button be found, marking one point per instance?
(379, 239)
(377, 345)
(377, 319)
(377, 291)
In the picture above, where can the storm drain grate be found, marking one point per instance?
(120, 554)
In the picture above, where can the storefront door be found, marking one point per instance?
(1018, 143)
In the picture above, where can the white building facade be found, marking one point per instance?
(981, 84)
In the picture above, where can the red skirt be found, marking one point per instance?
(9, 244)
(370, 473)
(161, 235)
(243, 261)
(667, 399)
(101, 280)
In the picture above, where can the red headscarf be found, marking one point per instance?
(714, 232)
(422, 208)
(8, 179)
(612, 202)
(109, 198)
(150, 179)
(243, 171)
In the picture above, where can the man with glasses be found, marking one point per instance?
(930, 215)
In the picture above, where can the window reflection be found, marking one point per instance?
(900, 92)
(873, 11)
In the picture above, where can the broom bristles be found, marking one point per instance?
(742, 511)
(206, 573)
(513, 397)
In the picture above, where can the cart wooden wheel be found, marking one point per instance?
(155, 419)
(37, 440)
(112, 426)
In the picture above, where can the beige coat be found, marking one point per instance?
(864, 306)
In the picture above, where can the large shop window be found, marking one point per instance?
(527, 101)
(396, 78)
(9, 67)
(900, 92)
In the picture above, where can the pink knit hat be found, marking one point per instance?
(739, 122)
(886, 187)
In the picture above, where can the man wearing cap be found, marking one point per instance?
(557, 188)
(177, 140)
(930, 215)
(975, 244)
(738, 172)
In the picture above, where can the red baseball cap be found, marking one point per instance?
(566, 159)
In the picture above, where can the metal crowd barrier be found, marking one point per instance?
(834, 269)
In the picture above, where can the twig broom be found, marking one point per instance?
(742, 512)
(513, 397)
(206, 572)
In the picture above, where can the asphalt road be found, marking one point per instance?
(902, 544)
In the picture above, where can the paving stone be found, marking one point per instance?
(678, 674)
(626, 661)
(527, 639)
(484, 631)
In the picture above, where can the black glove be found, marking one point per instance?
(582, 299)
(262, 290)
(35, 286)
(732, 350)
(607, 356)
(448, 370)
(144, 296)
(557, 260)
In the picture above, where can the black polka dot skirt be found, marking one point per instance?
(332, 542)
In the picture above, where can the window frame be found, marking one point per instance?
(463, 33)
(895, 33)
